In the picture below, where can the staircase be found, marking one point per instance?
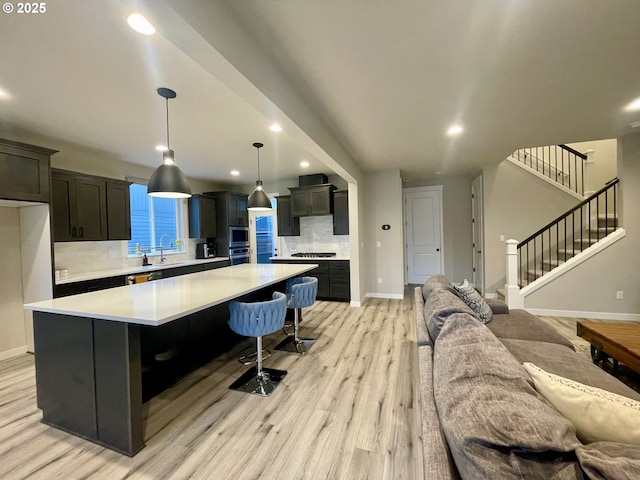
(569, 234)
(558, 164)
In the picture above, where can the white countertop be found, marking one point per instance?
(309, 258)
(161, 301)
(114, 272)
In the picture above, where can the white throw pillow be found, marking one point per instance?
(597, 414)
(474, 301)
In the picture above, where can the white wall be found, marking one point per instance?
(12, 327)
(383, 205)
(602, 162)
(516, 204)
(592, 286)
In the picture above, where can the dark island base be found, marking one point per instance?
(92, 376)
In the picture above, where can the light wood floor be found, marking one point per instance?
(347, 410)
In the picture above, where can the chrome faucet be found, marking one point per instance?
(162, 257)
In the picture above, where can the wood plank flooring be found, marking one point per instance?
(347, 410)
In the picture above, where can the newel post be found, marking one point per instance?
(512, 290)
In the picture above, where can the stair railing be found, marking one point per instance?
(569, 234)
(559, 163)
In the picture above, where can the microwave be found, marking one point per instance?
(238, 237)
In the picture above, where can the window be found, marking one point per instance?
(154, 220)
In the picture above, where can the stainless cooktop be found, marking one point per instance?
(314, 255)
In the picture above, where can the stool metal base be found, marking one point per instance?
(301, 346)
(251, 358)
(250, 383)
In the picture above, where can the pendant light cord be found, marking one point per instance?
(167, 104)
(258, 163)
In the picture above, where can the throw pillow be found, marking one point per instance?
(597, 414)
(475, 301)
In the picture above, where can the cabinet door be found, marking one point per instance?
(238, 214)
(288, 225)
(299, 203)
(91, 208)
(118, 211)
(341, 213)
(320, 200)
(202, 217)
(63, 206)
(24, 175)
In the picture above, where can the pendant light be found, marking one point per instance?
(168, 181)
(258, 200)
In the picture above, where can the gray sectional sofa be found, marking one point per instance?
(482, 418)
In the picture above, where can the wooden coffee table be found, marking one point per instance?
(619, 341)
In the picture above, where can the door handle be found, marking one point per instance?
(437, 249)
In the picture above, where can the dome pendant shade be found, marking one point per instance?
(168, 181)
(258, 200)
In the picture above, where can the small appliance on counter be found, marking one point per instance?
(206, 249)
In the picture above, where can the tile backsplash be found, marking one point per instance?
(84, 257)
(316, 235)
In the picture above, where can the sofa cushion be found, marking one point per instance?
(561, 361)
(422, 335)
(497, 306)
(597, 414)
(521, 325)
(474, 300)
(434, 282)
(440, 305)
(609, 461)
(496, 424)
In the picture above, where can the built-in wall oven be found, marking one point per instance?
(239, 255)
(238, 237)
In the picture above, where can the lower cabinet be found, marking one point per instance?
(332, 275)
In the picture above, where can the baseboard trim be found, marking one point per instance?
(355, 303)
(393, 296)
(14, 352)
(576, 314)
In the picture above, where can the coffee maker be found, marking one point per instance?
(206, 249)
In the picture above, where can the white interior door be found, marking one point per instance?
(478, 234)
(423, 232)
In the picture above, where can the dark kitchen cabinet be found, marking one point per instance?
(341, 212)
(118, 210)
(24, 172)
(202, 217)
(79, 207)
(314, 200)
(89, 208)
(332, 275)
(231, 211)
(288, 225)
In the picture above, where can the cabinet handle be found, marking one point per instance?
(81, 232)
(73, 232)
(201, 233)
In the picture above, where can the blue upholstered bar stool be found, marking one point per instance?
(301, 292)
(255, 320)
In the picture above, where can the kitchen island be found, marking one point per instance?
(100, 355)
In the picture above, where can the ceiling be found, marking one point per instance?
(357, 85)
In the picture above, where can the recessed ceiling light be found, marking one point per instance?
(235, 173)
(161, 148)
(2, 94)
(304, 164)
(454, 130)
(140, 24)
(633, 106)
(634, 124)
(275, 128)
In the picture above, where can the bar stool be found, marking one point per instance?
(255, 320)
(301, 292)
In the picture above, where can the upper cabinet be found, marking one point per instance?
(288, 225)
(118, 210)
(312, 200)
(341, 212)
(24, 172)
(89, 208)
(231, 210)
(202, 217)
